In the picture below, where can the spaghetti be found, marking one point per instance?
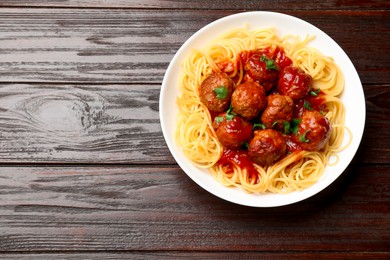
(297, 169)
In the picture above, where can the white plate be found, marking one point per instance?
(352, 97)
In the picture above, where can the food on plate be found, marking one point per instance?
(249, 99)
(261, 112)
(216, 91)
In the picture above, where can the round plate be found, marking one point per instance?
(352, 97)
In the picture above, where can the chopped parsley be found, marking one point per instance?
(270, 64)
(302, 138)
(221, 92)
(307, 105)
(261, 125)
(229, 115)
(286, 127)
(230, 109)
(292, 126)
(218, 119)
(315, 92)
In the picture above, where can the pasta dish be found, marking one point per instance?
(261, 112)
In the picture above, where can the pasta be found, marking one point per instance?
(196, 135)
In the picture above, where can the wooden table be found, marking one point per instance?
(85, 171)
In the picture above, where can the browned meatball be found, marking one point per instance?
(266, 147)
(313, 131)
(232, 132)
(248, 99)
(263, 70)
(294, 82)
(279, 110)
(216, 91)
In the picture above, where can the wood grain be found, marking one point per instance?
(136, 208)
(84, 169)
(56, 123)
(203, 4)
(81, 124)
(202, 255)
(121, 46)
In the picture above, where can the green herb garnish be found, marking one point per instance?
(259, 125)
(307, 105)
(302, 138)
(269, 63)
(294, 125)
(221, 92)
(315, 92)
(229, 113)
(229, 117)
(218, 119)
(230, 109)
(286, 127)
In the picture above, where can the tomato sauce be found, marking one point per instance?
(317, 102)
(313, 103)
(226, 66)
(292, 144)
(244, 56)
(278, 55)
(242, 160)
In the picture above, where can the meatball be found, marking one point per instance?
(263, 70)
(248, 99)
(294, 82)
(279, 110)
(216, 91)
(266, 147)
(232, 132)
(313, 131)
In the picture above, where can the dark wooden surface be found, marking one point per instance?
(84, 169)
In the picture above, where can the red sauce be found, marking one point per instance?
(248, 78)
(213, 115)
(235, 125)
(241, 159)
(244, 56)
(226, 66)
(298, 108)
(315, 102)
(292, 145)
(278, 55)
